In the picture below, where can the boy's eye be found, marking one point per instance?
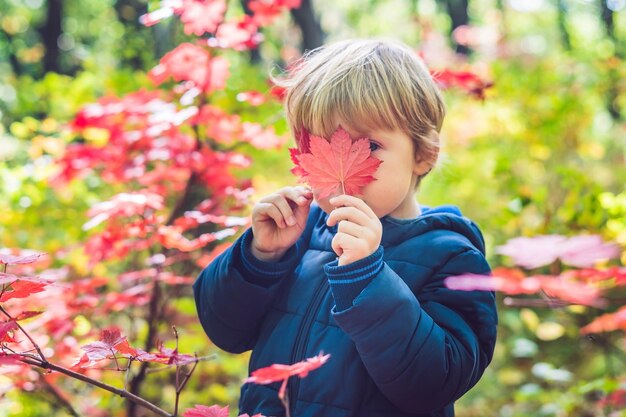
(374, 146)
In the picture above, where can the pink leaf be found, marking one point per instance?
(580, 251)
(586, 251)
(204, 411)
(532, 252)
(24, 259)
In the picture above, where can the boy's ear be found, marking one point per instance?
(422, 166)
(426, 158)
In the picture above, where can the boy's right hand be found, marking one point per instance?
(278, 220)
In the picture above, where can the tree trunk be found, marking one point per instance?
(612, 92)
(15, 63)
(304, 16)
(562, 22)
(312, 33)
(50, 33)
(457, 10)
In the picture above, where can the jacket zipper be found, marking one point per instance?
(302, 339)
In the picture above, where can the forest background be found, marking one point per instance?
(131, 171)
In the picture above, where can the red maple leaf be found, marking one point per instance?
(280, 372)
(20, 288)
(111, 342)
(204, 411)
(338, 165)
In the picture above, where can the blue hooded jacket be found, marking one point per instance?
(401, 343)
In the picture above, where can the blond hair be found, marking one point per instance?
(369, 85)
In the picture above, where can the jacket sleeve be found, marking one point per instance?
(236, 290)
(422, 354)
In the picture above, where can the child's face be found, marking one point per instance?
(392, 193)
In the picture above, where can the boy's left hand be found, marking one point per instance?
(359, 231)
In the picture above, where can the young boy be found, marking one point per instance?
(357, 277)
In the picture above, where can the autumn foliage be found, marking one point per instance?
(169, 157)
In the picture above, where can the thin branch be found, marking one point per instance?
(153, 322)
(122, 393)
(179, 388)
(35, 345)
(285, 397)
(534, 302)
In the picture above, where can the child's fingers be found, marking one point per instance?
(283, 206)
(299, 195)
(347, 213)
(345, 200)
(347, 247)
(352, 229)
(268, 209)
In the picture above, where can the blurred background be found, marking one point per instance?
(534, 144)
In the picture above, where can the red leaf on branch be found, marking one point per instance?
(338, 165)
(26, 315)
(5, 328)
(111, 342)
(169, 357)
(204, 411)
(279, 372)
(22, 288)
(515, 283)
(607, 322)
(465, 80)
